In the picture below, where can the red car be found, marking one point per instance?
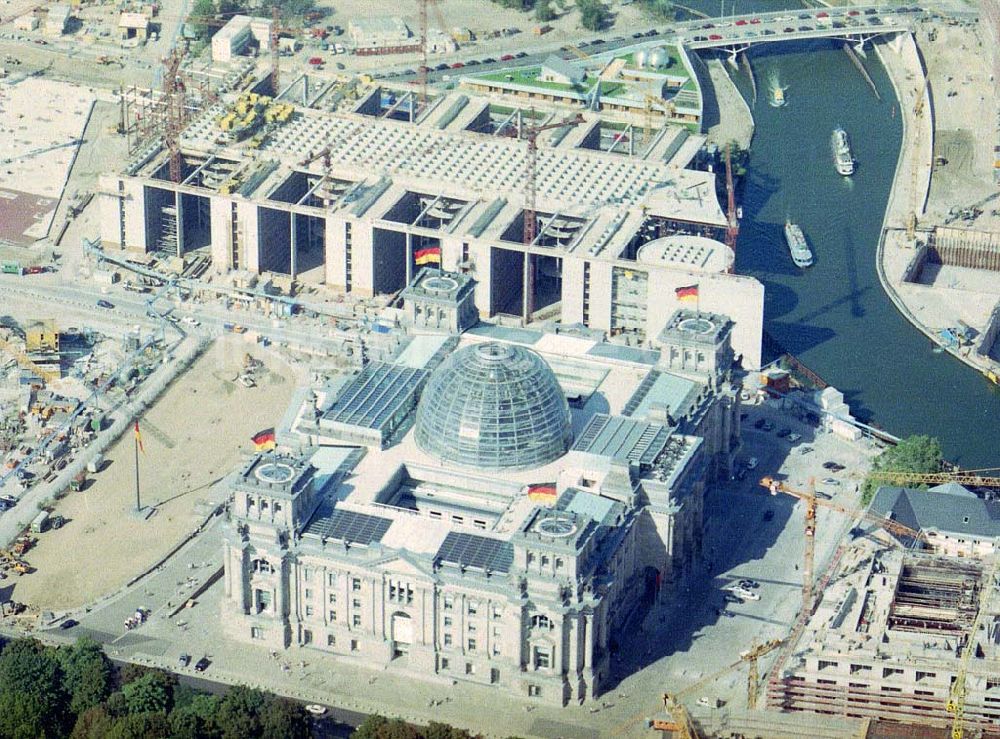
(755, 21)
(506, 57)
(316, 61)
(822, 14)
(715, 37)
(741, 22)
(853, 12)
(457, 65)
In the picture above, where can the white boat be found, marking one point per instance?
(798, 247)
(842, 158)
(775, 92)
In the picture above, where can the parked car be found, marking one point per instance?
(794, 437)
(749, 584)
(457, 65)
(191, 321)
(714, 37)
(506, 57)
(831, 465)
(315, 709)
(521, 54)
(746, 594)
(69, 623)
(184, 660)
(731, 598)
(831, 481)
(102, 303)
(202, 664)
(489, 60)
(441, 67)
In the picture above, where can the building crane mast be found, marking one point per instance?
(530, 232)
(733, 227)
(173, 98)
(811, 502)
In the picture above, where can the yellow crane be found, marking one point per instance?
(967, 477)
(956, 701)
(679, 720)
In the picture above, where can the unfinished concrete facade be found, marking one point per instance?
(352, 201)
(887, 641)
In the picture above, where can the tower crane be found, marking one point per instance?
(426, 5)
(667, 106)
(530, 134)
(679, 720)
(956, 700)
(733, 227)
(811, 501)
(968, 477)
(918, 112)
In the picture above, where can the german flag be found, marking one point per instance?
(429, 255)
(543, 492)
(688, 293)
(264, 440)
(138, 437)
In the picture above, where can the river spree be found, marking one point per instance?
(835, 316)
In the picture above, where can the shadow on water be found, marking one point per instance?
(835, 315)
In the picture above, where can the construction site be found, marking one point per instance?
(345, 187)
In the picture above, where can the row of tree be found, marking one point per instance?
(594, 14)
(77, 692)
(207, 16)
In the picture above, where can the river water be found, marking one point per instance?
(835, 316)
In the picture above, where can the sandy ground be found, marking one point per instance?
(193, 436)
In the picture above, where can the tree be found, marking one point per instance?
(281, 718)
(94, 723)
(86, 674)
(239, 712)
(920, 454)
(436, 730)
(544, 11)
(32, 699)
(201, 10)
(150, 693)
(594, 14)
(149, 725)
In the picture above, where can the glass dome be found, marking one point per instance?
(494, 406)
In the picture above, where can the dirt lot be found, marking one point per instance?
(192, 437)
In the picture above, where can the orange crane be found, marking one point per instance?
(733, 227)
(173, 98)
(530, 134)
(811, 501)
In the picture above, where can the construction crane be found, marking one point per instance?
(733, 226)
(530, 231)
(667, 106)
(918, 112)
(968, 477)
(276, 30)
(424, 6)
(43, 150)
(956, 700)
(811, 501)
(173, 100)
(680, 720)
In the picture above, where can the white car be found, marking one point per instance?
(745, 594)
(316, 709)
(191, 321)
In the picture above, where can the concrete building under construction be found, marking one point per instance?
(357, 201)
(890, 638)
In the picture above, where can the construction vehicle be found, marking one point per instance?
(22, 545)
(78, 482)
(677, 718)
(808, 558)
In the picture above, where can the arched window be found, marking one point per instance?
(262, 566)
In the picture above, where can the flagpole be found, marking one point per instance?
(138, 505)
